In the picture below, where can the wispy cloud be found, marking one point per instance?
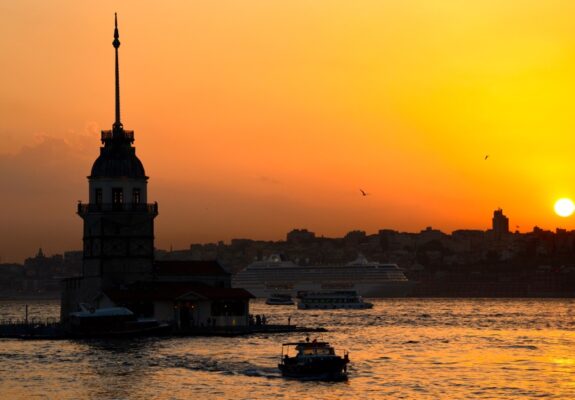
(40, 185)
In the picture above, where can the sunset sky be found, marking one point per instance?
(256, 117)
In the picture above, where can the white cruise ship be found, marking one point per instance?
(368, 279)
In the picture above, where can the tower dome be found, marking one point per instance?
(116, 162)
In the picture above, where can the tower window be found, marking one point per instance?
(136, 196)
(98, 196)
(117, 196)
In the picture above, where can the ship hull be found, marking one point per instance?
(370, 290)
(316, 371)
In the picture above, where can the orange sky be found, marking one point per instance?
(256, 117)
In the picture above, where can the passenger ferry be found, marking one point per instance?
(331, 300)
(278, 275)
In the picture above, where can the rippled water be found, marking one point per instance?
(401, 349)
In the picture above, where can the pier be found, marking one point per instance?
(245, 330)
(51, 329)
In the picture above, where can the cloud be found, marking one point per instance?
(42, 182)
(40, 185)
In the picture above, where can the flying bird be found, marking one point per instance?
(363, 193)
(486, 157)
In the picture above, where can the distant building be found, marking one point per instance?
(11, 277)
(353, 238)
(300, 236)
(500, 224)
(42, 273)
(468, 239)
(429, 234)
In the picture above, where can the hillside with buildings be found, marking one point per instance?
(496, 262)
(465, 263)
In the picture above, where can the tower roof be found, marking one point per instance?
(117, 157)
(118, 161)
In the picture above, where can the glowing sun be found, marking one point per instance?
(564, 207)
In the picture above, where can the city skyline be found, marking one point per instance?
(498, 232)
(249, 135)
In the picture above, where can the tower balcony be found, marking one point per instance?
(109, 135)
(150, 208)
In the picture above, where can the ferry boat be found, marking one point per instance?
(313, 361)
(280, 300)
(278, 275)
(331, 300)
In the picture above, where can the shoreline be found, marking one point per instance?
(29, 296)
(56, 296)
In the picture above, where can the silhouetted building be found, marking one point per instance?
(11, 277)
(300, 236)
(188, 293)
(118, 222)
(42, 273)
(72, 265)
(429, 234)
(500, 224)
(118, 267)
(353, 238)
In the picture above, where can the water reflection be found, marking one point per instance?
(117, 368)
(407, 348)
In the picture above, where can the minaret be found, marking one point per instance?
(118, 222)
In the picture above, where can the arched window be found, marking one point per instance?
(136, 196)
(98, 196)
(117, 197)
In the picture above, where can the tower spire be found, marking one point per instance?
(116, 43)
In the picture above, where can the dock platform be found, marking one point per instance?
(52, 330)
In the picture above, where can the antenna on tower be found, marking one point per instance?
(116, 43)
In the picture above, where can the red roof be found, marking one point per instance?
(219, 293)
(190, 268)
(174, 291)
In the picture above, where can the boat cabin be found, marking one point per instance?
(312, 348)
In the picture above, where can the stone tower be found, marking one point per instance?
(118, 222)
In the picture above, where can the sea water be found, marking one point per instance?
(400, 349)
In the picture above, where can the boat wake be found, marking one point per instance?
(226, 367)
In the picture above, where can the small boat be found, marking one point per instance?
(112, 321)
(280, 300)
(329, 300)
(313, 361)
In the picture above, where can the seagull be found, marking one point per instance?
(363, 193)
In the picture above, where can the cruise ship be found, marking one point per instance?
(368, 278)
